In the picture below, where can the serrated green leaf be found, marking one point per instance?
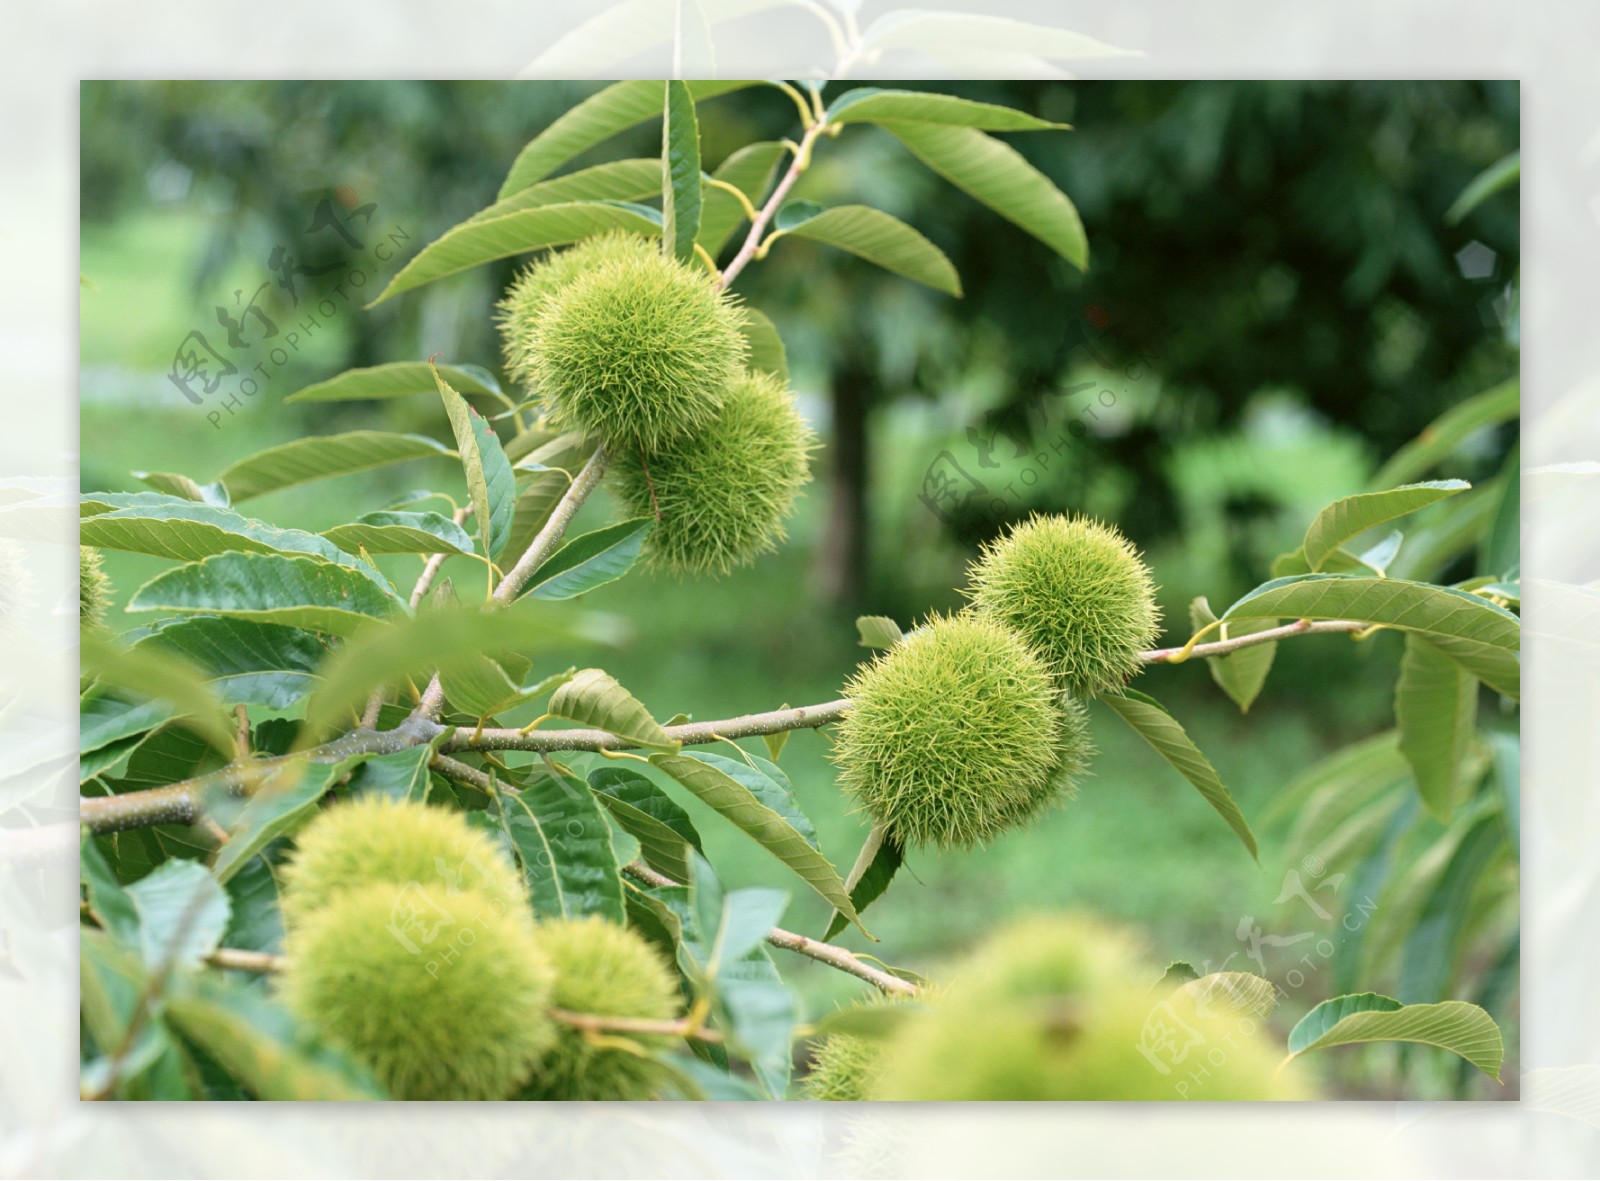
(280, 805)
(616, 108)
(104, 719)
(489, 480)
(399, 379)
(1393, 602)
(257, 1043)
(593, 698)
(995, 174)
(1444, 434)
(401, 533)
(564, 845)
(183, 912)
(878, 631)
(664, 830)
(618, 180)
(1464, 1030)
(880, 858)
(1240, 674)
(870, 104)
(473, 243)
(187, 531)
(590, 561)
(1436, 708)
(256, 921)
(750, 170)
(108, 900)
(730, 787)
(767, 354)
(159, 675)
(1352, 516)
(1230, 992)
(321, 456)
(1151, 721)
(402, 776)
(270, 588)
(177, 484)
(680, 171)
(878, 237)
(243, 662)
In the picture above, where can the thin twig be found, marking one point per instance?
(237, 959)
(602, 1023)
(826, 953)
(1301, 627)
(752, 241)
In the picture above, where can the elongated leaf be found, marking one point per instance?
(489, 480)
(1436, 708)
(182, 914)
(1502, 174)
(321, 456)
(297, 592)
(995, 174)
(709, 778)
(1433, 949)
(593, 698)
(1230, 992)
(770, 785)
(881, 856)
(750, 170)
(1151, 721)
(1494, 666)
(401, 533)
(1393, 602)
(399, 379)
(537, 497)
(104, 719)
(281, 805)
(1463, 1029)
(444, 640)
(257, 1043)
(107, 899)
(680, 171)
(177, 484)
(664, 830)
(1447, 432)
(1500, 550)
(618, 180)
(875, 236)
(160, 675)
(767, 354)
(474, 243)
(564, 845)
(1239, 674)
(243, 662)
(869, 104)
(596, 119)
(1353, 515)
(188, 532)
(591, 560)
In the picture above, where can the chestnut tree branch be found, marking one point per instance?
(752, 241)
(181, 803)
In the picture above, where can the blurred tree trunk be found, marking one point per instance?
(840, 575)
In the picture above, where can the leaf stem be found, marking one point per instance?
(752, 241)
